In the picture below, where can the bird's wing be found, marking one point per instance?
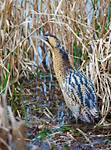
(80, 88)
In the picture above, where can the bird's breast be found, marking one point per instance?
(61, 65)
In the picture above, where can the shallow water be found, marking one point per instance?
(52, 125)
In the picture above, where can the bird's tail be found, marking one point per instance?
(89, 115)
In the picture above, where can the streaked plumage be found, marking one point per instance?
(77, 89)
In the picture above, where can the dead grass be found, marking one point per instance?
(11, 131)
(84, 27)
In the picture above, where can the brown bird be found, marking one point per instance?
(78, 90)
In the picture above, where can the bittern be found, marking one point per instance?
(78, 90)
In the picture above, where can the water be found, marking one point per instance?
(52, 123)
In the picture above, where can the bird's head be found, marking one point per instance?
(54, 44)
(50, 40)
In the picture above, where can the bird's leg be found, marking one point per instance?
(75, 118)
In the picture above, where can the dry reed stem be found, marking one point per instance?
(12, 134)
(86, 137)
(84, 28)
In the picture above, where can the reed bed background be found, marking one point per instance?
(84, 28)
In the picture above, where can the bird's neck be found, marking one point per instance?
(61, 64)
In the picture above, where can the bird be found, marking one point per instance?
(77, 89)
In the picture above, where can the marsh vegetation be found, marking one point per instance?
(27, 81)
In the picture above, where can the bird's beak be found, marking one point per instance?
(43, 39)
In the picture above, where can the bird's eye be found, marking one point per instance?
(46, 39)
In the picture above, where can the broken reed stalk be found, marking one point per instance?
(12, 131)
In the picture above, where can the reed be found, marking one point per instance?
(12, 131)
(84, 27)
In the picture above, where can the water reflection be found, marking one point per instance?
(46, 93)
(46, 98)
